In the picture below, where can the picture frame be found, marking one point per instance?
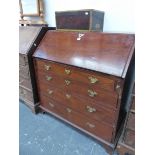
(29, 8)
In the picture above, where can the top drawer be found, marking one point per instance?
(89, 77)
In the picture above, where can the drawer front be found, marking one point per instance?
(25, 94)
(23, 82)
(100, 130)
(84, 76)
(131, 121)
(82, 105)
(93, 95)
(24, 72)
(129, 138)
(102, 101)
(23, 60)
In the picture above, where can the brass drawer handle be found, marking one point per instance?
(92, 79)
(92, 93)
(52, 105)
(48, 78)
(47, 67)
(67, 82)
(68, 96)
(50, 92)
(68, 110)
(90, 109)
(67, 71)
(90, 125)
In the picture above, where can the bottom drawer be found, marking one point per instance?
(93, 127)
(129, 138)
(25, 95)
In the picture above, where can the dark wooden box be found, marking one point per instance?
(90, 19)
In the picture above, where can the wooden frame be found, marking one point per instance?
(32, 5)
(31, 8)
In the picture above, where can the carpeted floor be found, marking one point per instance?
(42, 134)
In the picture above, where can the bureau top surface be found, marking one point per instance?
(27, 35)
(108, 53)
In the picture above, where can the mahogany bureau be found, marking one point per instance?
(81, 78)
(29, 38)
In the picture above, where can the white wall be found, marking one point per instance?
(119, 14)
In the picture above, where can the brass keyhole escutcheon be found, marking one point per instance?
(50, 92)
(69, 110)
(47, 67)
(68, 96)
(90, 125)
(52, 105)
(48, 78)
(67, 71)
(67, 82)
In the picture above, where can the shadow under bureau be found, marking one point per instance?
(81, 79)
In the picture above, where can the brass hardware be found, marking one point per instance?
(90, 125)
(118, 89)
(117, 86)
(47, 67)
(67, 82)
(80, 35)
(68, 96)
(52, 105)
(90, 109)
(48, 78)
(92, 79)
(69, 110)
(50, 92)
(67, 71)
(92, 93)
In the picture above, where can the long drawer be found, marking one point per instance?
(102, 131)
(85, 107)
(84, 76)
(102, 97)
